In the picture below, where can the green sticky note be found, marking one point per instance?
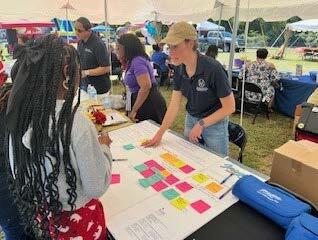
(128, 147)
(141, 167)
(158, 173)
(170, 194)
(144, 182)
(154, 179)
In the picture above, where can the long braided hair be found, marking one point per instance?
(34, 186)
(5, 90)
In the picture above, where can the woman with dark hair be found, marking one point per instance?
(212, 51)
(146, 100)
(9, 217)
(58, 164)
(263, 74)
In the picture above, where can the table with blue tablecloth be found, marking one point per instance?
(296, 90)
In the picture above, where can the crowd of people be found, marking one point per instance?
(54, 166)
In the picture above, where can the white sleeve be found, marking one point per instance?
(94, 163)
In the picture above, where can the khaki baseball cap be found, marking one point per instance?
(179, 32)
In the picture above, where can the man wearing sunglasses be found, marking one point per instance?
(94, 58)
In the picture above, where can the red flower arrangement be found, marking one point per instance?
(100, 118)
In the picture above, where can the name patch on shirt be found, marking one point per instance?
(201, 86)
(88, 50)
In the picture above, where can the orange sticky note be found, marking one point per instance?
(168, 156)
(142, 141)
(165, 173)
(179, 164)
(214, 187)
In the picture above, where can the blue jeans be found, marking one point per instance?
(214, 137)
(9, 218)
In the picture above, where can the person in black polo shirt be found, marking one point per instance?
(94, 58)
(204, 83)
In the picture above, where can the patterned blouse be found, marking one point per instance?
(264, 75)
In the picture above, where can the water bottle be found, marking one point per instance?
(107, 101)
(88, 90)
(92, 92)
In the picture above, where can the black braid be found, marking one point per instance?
(35, 186)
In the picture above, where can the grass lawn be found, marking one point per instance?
(291, 59)
(265, 135)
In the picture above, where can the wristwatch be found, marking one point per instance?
(201, 123)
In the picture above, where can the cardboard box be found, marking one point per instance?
(295, 167)
(297, 116)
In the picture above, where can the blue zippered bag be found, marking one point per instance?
(273, 202)
(304, 227)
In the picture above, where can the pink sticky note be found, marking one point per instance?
(171, 179)
(200, 206)
(154, 164)
(184, 186)
(158, 186)
(147, 173)
(187, 169)
(115, 179)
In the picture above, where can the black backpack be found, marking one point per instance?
(308, 121)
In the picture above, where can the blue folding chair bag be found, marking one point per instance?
(304, 227)
(273, 202)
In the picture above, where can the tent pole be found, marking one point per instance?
(236, 22)
(244, 67)
(278, 37)
(66, 15)
(294, 42)
(220, 18)
(228, 21)
(107, 41)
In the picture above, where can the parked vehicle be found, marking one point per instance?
(222, 39)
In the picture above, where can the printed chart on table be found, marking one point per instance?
(166, 192)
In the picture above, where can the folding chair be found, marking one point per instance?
(238, 137)
(258, 106)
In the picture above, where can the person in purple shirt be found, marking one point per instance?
(146, 101)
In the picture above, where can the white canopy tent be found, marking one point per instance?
(118, 11)
(270, 10)
(310, 25)
(209, 26)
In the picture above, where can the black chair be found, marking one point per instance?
(257, 106)
(162, 76)
(171, 75)
(238, 137)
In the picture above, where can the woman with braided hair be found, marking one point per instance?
(9, 218)
(59, 165)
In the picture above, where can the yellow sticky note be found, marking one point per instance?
(179, 203)
(200, 178)
(165, 173)
(214, 187)
(179, 164)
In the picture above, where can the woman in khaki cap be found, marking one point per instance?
(204, 83)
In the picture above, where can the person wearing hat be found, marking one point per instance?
(203, 82)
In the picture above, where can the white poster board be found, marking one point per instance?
(187, 195)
